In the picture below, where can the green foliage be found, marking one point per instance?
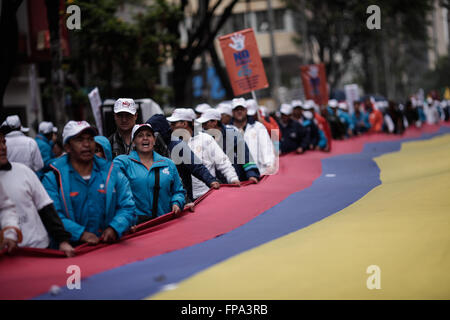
(123, 57)
(338, 28)
(439, 78)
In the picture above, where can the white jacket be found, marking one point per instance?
(24, 150)
(212, 156)
(260, 146)
(8, 215)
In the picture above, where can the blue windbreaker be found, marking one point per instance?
(363, 117)
(346, 119)
(142, 182)
(106, 145)
(45, 147)
(119, 205)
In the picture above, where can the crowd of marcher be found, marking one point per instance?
(89, 188)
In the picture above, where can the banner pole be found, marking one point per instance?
(254, 96)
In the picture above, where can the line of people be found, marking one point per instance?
(100, 187)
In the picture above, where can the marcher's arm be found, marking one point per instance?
(50, 185)
(124, 217)
(177, 190)
(38, 163)
(53, 224)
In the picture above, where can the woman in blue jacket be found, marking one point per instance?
(103, 148)
(142, 168)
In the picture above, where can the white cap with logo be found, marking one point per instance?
(74, 128)
(138, 127)
(237, 102)
(333, 103)
(252, 107)
(210, 114)
(309, 104)
(286, 109)
(342, 105)
(224, 107)
(202, 107)
(296, 103)
(46, 127)
(125, 105)
(13, 122)
(182, 114)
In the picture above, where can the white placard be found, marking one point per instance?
(351, 95)
(96, 103)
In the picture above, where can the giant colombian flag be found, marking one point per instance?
(318, 229)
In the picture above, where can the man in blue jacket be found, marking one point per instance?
(45, 140)
(92, 197)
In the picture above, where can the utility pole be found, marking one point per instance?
(275, 69)
(304, 32)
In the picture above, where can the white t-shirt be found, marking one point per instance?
(8, 215)
(24, 149)
(23, 187)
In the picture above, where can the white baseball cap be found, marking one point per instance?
(296, 103)
(13, 122)
(342, 105)
(182, 114)
(45, 127)
(125, 105)
(237, 102)
(210, 114)
(74, 128)
(252, 107)
(138, 127)
(224, 107)
(286, 109)
(333, 103)
(202, 107)
(309, 104)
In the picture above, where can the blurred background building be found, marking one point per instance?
(123, 61)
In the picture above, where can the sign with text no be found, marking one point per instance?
(244, 65)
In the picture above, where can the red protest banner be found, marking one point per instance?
(243, 62)
(314, 81)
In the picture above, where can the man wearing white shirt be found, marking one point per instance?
(256, 136)
(10, 233)
(37, 217)
(21, 148)
(204, 147)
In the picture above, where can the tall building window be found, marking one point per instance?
(262, 20)
(236, 22)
